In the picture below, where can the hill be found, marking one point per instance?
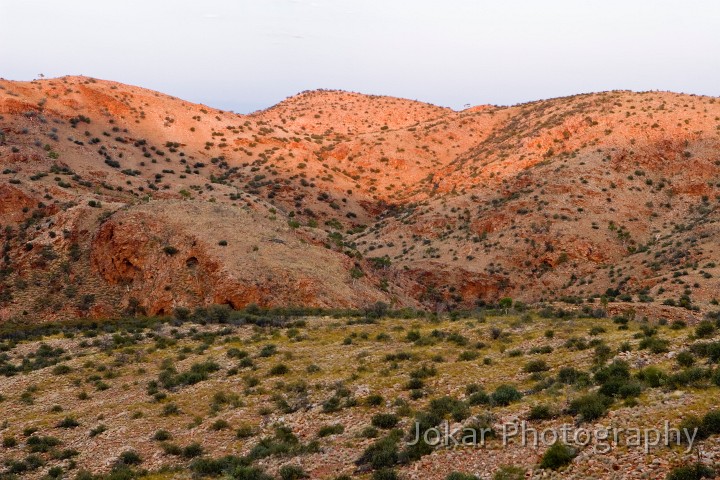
(118, 199)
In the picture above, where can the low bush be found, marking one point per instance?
(557, 456)
(590, 406)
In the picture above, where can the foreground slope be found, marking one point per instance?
(338, 398)
(116, 198)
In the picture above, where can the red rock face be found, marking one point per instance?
(14, 204)
(163, 264)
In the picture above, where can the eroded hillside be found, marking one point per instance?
(117, 199)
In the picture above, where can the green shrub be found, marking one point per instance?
(704, 329)
(505, 395)
(171, 449)
(557, 456)
(385, 474)
(693, 376)
(655, 345)
(479, 397)
(161, 436)
(535, 366)
(94, 432)
(9, 442)
(652, 376)
(590, 406)
(448, 406)
(292, 472)
(279, 369)
(711, 423)
(219, 424)
(540, 412)
(37, 444)
(129, 457)
(571, 376)
(509, 472)
(461, 476)
(384, 420)
(235, 467)
(327, 430)
(685, 359)
(245, 431)
(383, 453)
(68, 422)
(61, 370)
(691, 472)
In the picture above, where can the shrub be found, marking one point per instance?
(568, 375)
(292, 472)
(689, 376)
(279, 369)
(161, 435)
(327, 430)
(383, 453)
(509, 472)
(374, 400)
(267, 351)
(505, 395)
(384, 420)
(535, 366)
(692, 423)
(41, 444)
(283, 442)
(652, 376)
(468, 355)
(219, 424)
(461, 476)
(129, 457)
(557, 456)
(655, 345)
(68, 422)
(245, 431)
(193, 450)
(590, 407)
(61, 370)
(478, 398)
(217, 466)
(97, 430)
(704, 329)
(171, 449)
(385, 474)
(9, 442)
(711, 423)
(444, 406)
(691, 472)
(369, 432)
(540, 412)
(685, 359)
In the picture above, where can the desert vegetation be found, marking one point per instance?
(282, 394)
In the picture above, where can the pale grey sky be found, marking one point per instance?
(243, 55)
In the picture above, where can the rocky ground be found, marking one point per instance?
(159, 398)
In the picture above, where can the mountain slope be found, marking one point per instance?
(115, 198)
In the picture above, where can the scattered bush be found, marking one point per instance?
(505, 395)
(590, 406)
(691, 472)
(557, 456)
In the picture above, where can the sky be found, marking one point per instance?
(245, 55)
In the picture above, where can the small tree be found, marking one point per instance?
(506, 303)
